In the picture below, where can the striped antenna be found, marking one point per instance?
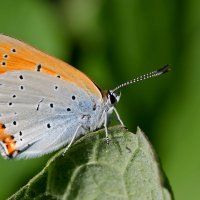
(158, 72)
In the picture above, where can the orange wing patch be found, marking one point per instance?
(16, 55)
(8, 140)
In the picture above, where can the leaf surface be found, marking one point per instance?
(91, 169)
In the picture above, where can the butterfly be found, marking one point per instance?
(45, 103)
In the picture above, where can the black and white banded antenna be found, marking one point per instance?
(164, 69)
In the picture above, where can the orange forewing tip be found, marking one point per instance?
(16, 55)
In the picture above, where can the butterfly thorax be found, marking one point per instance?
(102, 108)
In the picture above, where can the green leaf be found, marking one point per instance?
(92, 169)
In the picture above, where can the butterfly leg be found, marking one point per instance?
(118, 117)
(106, 128)
(72, 140)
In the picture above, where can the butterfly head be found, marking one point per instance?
(113, 97)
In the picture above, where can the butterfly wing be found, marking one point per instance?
(16, 55)
(39, 111)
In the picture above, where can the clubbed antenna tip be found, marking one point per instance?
(164, 69)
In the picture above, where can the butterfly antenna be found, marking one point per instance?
(158, 72)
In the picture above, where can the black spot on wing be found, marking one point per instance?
(21, 87)
(51, 105)
(56, 87)
(14, 50)
(39, 66)
(3, 63)
(94, 107)
(73, 97)
(38, 106)
(3, 126)
(21, 77)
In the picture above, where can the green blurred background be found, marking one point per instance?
(113, 41)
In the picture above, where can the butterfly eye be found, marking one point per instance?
(113, 99)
